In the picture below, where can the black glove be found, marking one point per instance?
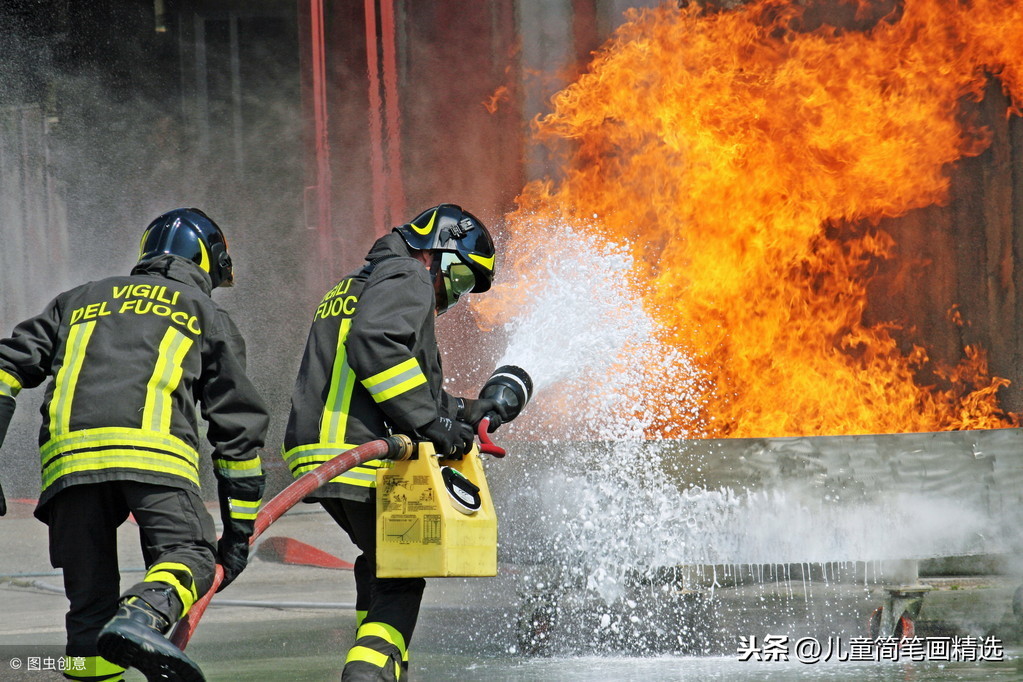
(233, 555)
(473, 412)
(6, 412)
(450, 437)
(7, 405)
(239, 500)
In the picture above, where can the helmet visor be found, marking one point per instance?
(462, 279)
(458, 279)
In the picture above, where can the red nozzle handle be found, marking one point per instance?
(486, 445)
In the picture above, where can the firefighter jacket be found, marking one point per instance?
(371, 368)
(127, 358)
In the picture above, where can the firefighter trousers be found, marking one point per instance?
(178, 541)
(392, 601)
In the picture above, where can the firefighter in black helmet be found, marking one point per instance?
(126, 359)
(372, 368)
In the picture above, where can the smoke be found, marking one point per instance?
(122, 136)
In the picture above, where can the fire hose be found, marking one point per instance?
(509, 386)
(393, 447)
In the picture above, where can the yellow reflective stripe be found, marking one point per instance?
(334, 420)
(204, 258)
(8, 384)
(394, 381)
(367, 655)
(305, 458)
(359, 617)
(243, 509)
(67, 377)
(357, 478)
(429, 226)
(115, 437)
(164, 572)
(156, 415)
(92, 667)
(384, 632)
(401, 388)
(372, 465)
(317, 453)
(488, 263)
(125, 458)
(238, 468)
(365, 475)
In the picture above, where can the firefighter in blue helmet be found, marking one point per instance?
(126, 360)
(372, 368)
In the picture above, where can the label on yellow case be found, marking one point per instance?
(421, 533)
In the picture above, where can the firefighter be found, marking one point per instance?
(372, 368)
(127, 358)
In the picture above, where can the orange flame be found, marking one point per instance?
(501, 94)
(747, 163)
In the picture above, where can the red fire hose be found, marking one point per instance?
(393, 447)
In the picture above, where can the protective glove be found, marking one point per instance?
(473, 412)
(233, 555)
(239, 500)
(450, 437)
(7, 405)
(6, 412)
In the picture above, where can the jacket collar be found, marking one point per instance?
(176, 268)
(389, 245)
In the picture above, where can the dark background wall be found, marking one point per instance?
(113, 112)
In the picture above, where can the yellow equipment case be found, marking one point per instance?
(423, 530)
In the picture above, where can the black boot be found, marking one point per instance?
(134, 638)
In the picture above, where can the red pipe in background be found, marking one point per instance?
(378, 172)
(396, 192)
(319, 87)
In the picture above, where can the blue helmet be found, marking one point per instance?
(463, 251)
(191, 234)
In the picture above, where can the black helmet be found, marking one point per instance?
(463, 251)
(191, 234)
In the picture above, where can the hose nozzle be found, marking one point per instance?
(510, 387)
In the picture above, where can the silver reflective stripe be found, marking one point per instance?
(358, 475)
(395, 381)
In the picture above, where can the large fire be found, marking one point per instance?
(747, 162)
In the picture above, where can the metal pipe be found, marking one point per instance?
(323, 175)
(395, 189)
(378, 172)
